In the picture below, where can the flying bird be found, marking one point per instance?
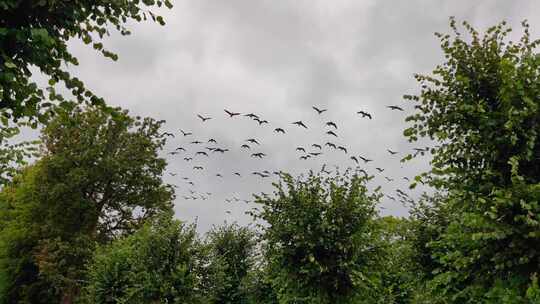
(331, 124)
(301, 149)
(342, 149)
(245, 146)
(188, 158)
(259, 155)
(237, 174)
(389, 179)
(180, 148)
(380, 169)
(201, 153)
(305, 157)
(167, 134)
(196, 142)
(251, 115)
(300, 124)
(364, 114)
(231, 114)
(331, 145)
(394, 108)
(355, 159)
(219, 175)
(319, 111)
(186, 133)
(391, 152)
(253, 141)
(220, 150)
(173, 174)
(198, 168)
(173, 153)
(203, 118)
(317, 146)
(261, 121)
(315, 153)
(279, 130)
(211, 140)
(366, 160)
(331, 133)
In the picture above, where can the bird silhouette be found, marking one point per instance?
(389, 179)
(380, 169)
(305, 157)
(364, 114)
(201, 153)
(191, 183)
(279, 130)
(355, 159)
(259, 155)
(301, 149)
(300, 124)
(186, 133)
(315, 153)
(211, 140)
(173, 174)
(391, 197)
(317, 146)
(366, 160)
(237, 174)
(319, 111)
(210, 148)
(196, 142)
(331, 145)
(245, 146)
(180, 148)
(394, 108)
(188, 158)
(231, 114)
(167, 134)
(203, 118)
(251, 115)
(198, 168)
(331, 124)
(391, 152)
(261, 121)
(406, 178)
(173, 153)
(331, 133)
(219, 175)
(220, 150)
(253, 141)
(342, 149)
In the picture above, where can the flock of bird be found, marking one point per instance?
(193, 150)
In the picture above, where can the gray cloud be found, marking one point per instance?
(277, 59)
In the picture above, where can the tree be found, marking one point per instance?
(231, 256)
(34, 34)
(156, 264)
(99, 177)
(482, 106)
(318, 239)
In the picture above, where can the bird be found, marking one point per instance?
(301, 149)
(364, 114)
(237, 174)
(380, 169)
(220, 150)
(391, 197)
(389, 179)
(406, 178)
(259, 155)
(394, 108)
(180, 148)
(231, 114)
(196, 142)
(186, 133)
(331, 145)
(245, 146)
(228, 212)
(391, 152)
(167, 134)
(355, 159)
(211, 140)
(300, 124)
(219, 175)
(173, 153)
(366, 160)
(305, 157)
(210, 148)
(203, 118)
(173, 174)
(317, 146)
(279, 130)
(331, 124)
(331, 133)
(261, 121)
(188, 158)
(198, 167)
(251, 115)
(315, 153)
(319, 111)
(342, 149)
(253, 141)
(201, 153)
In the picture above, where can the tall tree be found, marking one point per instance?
(482, 105)
(99, 177)
(318, 237)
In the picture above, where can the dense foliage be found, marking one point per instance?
(99, 177)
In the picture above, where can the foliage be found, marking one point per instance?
(34, 34)
(482, 106)
(156, 264)
(99, 177)
(231, 255)
(317, 236)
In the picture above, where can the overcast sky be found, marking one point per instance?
(277, 59)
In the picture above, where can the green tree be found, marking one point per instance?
(318, 234)
(99, 177)
(231, 256)
(156, 264)
(482, 105)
